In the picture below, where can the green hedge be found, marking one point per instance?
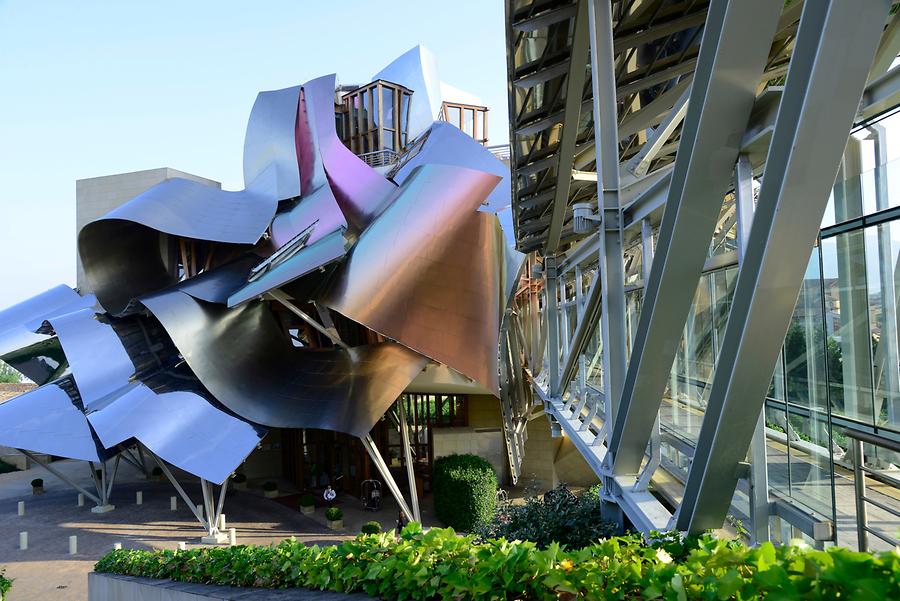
(5, 584)
(465, 491)
(439, 564)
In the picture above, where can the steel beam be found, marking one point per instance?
(835, 45)
(734, 50)
(551, 312)
(639, 164)
(407, 456)
(611, 274)
(385, 472)
(566, 149)
(60, 475)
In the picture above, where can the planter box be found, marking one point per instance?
(336, 524)
(110, 587)
(307, 510)
(270, 494)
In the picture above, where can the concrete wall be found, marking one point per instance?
(549, 461)
(483, 436)
(97, 196)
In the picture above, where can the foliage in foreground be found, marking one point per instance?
(5, 584)
(465, 491)
(558, 516)
(439, 564)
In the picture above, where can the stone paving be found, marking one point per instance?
(47, 571)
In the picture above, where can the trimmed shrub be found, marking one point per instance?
(334, 514)
(438, 564)
(37, 483)
(5, 584)
(6, 468)
(239, 478)
(307, 500)
(371, 528)
(270, 486)
(559, 516)
(465, 491)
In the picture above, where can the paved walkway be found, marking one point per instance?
(47, 572)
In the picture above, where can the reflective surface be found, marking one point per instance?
(45, 420)
(270, 144)
(245, 361)
(19, 322)
(427, 273)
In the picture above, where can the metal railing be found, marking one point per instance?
(380, 158)
(501, 151)
(859, 481)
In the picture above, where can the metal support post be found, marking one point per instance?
(643, 481)
(551, 289)
(281, 297)
(60, 475)
(859, 486)
(407, 455)
(611, 272)
(187, 499)
(382, 467)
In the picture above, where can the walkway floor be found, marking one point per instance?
(46, 571)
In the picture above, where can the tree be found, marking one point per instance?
(8, 374)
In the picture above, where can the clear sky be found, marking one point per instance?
(94, 88)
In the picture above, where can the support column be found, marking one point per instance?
(407, 454)
(382, 468)
(643, 481)
(759, 474)
(551, 289)
(611, 270)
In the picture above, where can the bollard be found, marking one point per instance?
(80, 500)
(21, 508)
(173, 503)
(139, 498)
(222, 522)
(232, 537)
(117, 546)
(23, 541)
(73, 545)
(182, 546)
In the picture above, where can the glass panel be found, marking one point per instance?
(804, 345)
(882, 248)
(387, 96)
(776, 450)
(810, 461)
(387, 141)
(453, 116)
(404, 112)
(849, 343)
(469, 122)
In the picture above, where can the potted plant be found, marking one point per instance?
(371, 528)
(37, 486)
(307, 504)
(335, 518)
(270, 489)
(395, 457)
(240, 481)
(156, 474)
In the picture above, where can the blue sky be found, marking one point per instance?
(94, 88)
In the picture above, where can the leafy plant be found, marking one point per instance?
(37, 483)
(557, 517)
(270, 486)
(239, 478)
(5, 584)
(438, 564)
(465, 491)
(371, 528)
(334, 514)
(307, 500)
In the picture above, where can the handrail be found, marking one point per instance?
(859, 485)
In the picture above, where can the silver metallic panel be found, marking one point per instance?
(45, 420)
(427, 273)
(247, 363)
(96, 356)
(416, 69)
(216, 285)
(19, 322)
(360, 191)
(270, 143)
(446, 144)
(182, 428)
(321, 253)
(318, 210)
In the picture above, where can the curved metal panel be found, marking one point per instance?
(19, 322)
(427, 273)
(182, 428)
(317, 212)
(45, 420)
(360, 191)
(446, 144)
(186, 208)
(312, 257)
(245, 361)
(270, 142)
(216, 285)
(95, 354)
(416, 69)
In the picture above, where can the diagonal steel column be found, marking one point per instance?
(565, 150)
(733, 53)
(407, 458)
(835, 45)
